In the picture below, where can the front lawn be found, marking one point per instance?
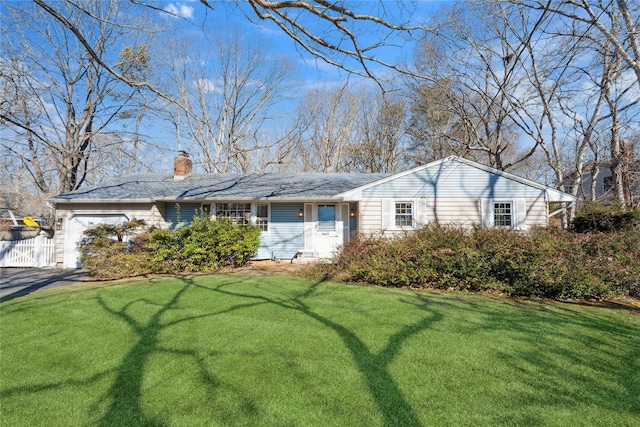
(277, 350)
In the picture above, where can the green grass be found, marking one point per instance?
(282, 351)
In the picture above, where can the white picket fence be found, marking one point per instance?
(35, 252)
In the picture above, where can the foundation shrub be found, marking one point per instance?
(129, 249)
(540, 262)
(615, 258)
(204, 245)
(365, 259)
(116, 251)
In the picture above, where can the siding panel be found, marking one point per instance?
(451, 180)
(453, 211)
(465, 212)
(185, 212)
(370, 216)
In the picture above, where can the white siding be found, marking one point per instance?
(530, 212)
(370, 216)
(452, 180)
(536, 213)
(453, 211)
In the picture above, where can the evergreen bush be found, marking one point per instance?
(115, 251)
(128, 249)
(598, 218)
(204, 245)
(541, 262)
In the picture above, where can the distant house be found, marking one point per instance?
(598, 183)
(310, 214)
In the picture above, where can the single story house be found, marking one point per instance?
(309, 214)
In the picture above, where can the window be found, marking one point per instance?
(607, 182)
(238, 212)
(502, 214)
(404, 214)
(326, 217)
(262, 216)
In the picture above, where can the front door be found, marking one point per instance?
(329, 233)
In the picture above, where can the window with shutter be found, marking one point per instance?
(404, 214)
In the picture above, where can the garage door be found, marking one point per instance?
(75, 226)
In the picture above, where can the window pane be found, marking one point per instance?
(502, 214)
(404, 214)
(326, 217)
(239, 212)
(262, 216)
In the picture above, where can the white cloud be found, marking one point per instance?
(629, 81)
(206, 85)
(180, 10)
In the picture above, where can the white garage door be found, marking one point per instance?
(75, 226)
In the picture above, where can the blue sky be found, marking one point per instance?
(191, 16)
(311, 69)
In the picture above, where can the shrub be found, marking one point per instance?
(596, 217)
(116, 251)
(204, 245)
(541, 262)
(127, 250)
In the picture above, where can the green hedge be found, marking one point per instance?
(542, 262)
(598, 218)
(204, 245)
(129, 249)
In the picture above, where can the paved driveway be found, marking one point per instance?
(15, 282)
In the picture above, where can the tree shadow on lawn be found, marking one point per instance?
(374, 367)
(125, 394)
(566, 358)
(126, 391)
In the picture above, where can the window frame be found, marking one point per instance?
(258, 220)
(335, 211)
(511, 214)
(411, 215)
(243, 220)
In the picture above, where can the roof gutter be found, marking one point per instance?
(108, 201)
(310, 199)
(327, 199)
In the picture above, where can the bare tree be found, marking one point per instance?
(602, 16)
(330, 118)
(227, 92)
(346, 35)
(580, 81)
(466, 108)
(380, 140)
(55, 97)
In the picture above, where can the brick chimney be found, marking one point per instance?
(182, 165)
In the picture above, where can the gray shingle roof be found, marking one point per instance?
(276, 186)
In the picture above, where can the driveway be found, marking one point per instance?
(15, 282)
